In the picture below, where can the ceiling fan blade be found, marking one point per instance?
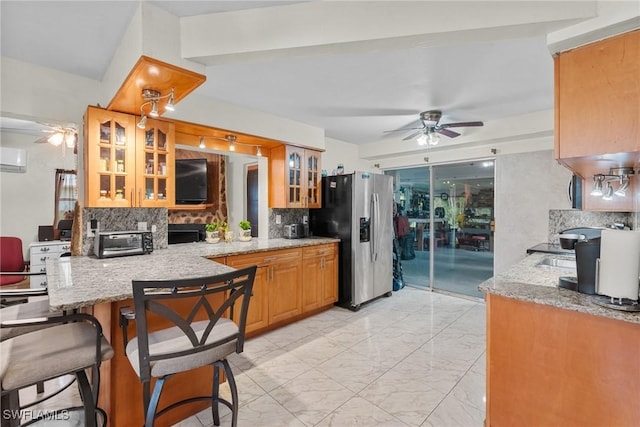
(42, 139)
(402, 129)
(413, 135)
(447, 132)
(461, 124)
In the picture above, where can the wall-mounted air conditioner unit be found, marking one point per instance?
(13, 159)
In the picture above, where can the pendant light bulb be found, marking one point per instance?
(169, 106)
(259, 151)
(232, 146)
(56, 139)
(154, 109)
(597, 185)
(142, 123)
(622, 190)
(433, 138)
(422, 139)
(609, 194)
(201, 142)
(70, 139)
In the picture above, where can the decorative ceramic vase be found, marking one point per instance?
(213, 236)
(228, 236)
(245, 235)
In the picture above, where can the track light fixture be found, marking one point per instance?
(620, 174)
(232, 140)
(152, 97)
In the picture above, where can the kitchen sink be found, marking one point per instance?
(557, 262)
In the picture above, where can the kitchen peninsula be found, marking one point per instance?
(554, 357)
(281, 295)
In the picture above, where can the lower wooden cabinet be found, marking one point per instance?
(258, 315)
(288, 283)
(320, 272)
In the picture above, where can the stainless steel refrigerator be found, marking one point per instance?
(358, 209)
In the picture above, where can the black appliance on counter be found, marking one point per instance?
(587, 250)
(186, 233)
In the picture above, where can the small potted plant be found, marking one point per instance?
(213, 235)
(245, 231)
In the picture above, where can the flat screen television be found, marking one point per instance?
(191, 181)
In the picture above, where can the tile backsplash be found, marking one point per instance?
(287, 216)
(560, 220)
(123, 219)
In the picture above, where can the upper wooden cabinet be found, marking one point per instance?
(295, 178)
(597, 93)
(126, 166)
(597, 113)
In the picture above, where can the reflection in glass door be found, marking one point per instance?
(449, 209)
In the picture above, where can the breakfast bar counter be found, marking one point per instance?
(554, 357)
(75, 282)
(103, 287)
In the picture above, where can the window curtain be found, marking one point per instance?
(66, 195)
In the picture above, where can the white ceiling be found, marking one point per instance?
(355, 96)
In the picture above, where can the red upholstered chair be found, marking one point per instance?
(12, 260)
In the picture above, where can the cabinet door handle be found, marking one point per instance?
(45, 249)
(132, 202)
(140, 198)
(44, 258)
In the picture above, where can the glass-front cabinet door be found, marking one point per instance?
(294, 177)
(312, 163)
(109, 159)
(154, 158)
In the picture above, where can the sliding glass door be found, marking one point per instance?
(449, 209)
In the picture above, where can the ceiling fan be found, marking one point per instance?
(430, 128)
(54, 134)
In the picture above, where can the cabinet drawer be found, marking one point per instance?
(263, 258)
(37, 282)
(319, 250)
(41, 259)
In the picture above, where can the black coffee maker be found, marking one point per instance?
(587, 249)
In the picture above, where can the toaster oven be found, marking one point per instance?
(110, 244)
(295, 231)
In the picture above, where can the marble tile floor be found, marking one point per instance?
(414, 359)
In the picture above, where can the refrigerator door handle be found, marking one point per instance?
(376, 216)
(372, 224)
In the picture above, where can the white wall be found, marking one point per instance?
(42, 93)
(339, 152)
(237, 190)
(527, 185)
(27, 199)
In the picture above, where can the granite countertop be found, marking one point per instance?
(75, 282)
(526, 281)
